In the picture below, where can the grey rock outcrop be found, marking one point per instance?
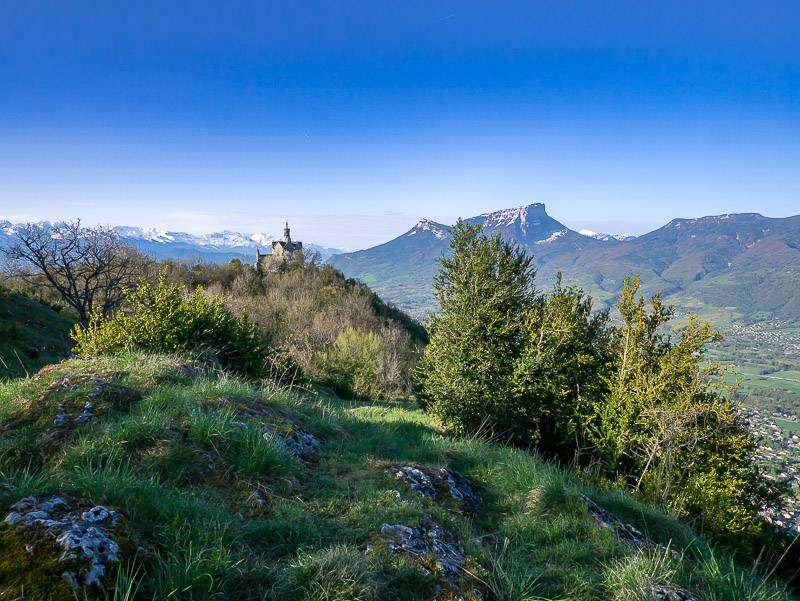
(624, 532)
(87, 547)
(431, 546)
(276, 424)
(662, 592)
(296, 442)
(438, 484)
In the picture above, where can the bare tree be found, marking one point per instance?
(88, 267)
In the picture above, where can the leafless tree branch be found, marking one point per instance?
(88, 267)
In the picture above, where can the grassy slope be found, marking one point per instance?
(200, 534)
(32, 334)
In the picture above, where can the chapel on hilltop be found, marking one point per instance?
(282, 251)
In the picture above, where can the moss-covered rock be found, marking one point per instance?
(75, 399)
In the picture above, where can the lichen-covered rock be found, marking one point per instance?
(278, 424)
(432, 547)
(259, 498)
(438, 484)
(78, 399)
(624, 532)
(662, 592)
(65, 406)
(296, 442)
(86, 548)
(85, 415)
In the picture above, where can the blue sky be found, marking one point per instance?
(354, 119)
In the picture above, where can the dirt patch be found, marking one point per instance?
(46, 370)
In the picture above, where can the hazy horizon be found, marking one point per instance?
(370, 230)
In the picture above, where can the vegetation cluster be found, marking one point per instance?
(302, 322)
(318, 324)
(622, 398)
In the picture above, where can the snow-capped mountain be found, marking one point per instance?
(528, 224)
(708, 259)
(217, 247)
(426, 226)
(605, 237)
(221, 240)
(402, 269)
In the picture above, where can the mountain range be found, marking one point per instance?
(735, 266)
(746, 266)
(217, 247)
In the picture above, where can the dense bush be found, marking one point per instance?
(559, 373)
(545, 371)
(166, 318)
(466, 375)
(352, 365)
(503, 356)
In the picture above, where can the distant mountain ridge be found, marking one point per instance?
(217, 247)
(745, 264)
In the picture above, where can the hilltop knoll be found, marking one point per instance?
(201, 486)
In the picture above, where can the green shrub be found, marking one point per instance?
(166, 318)
(666, 428)
(559, 373)
(351, 366)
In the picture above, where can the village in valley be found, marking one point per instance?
(779, 451)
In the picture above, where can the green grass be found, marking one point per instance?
(787, 425)
(184, 461)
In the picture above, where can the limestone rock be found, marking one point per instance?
(278, 424)
(431, 546)
(296, 442)
(87, 547)
(438, 484)
(76, 407)
(662, 592)
(624, 532)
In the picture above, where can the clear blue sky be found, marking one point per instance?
(353, 119)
